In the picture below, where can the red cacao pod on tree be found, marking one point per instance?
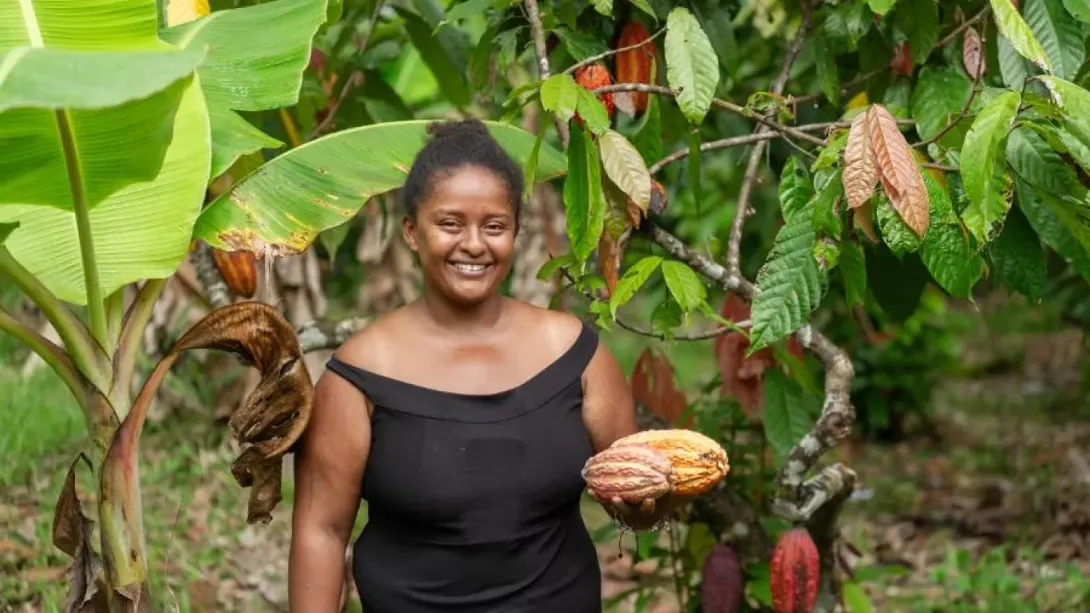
(634, 66)
(794, 573)
(721, 581)
(591, 77)
(239, 271)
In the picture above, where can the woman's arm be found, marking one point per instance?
(328, 471)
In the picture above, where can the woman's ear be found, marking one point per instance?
(408, 232)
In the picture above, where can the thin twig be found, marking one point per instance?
(354, 80)
(698, 336)
(724, 104)
(749, 181)
(945, 40)
(601, 56)
(844, 89)
(972, 93)
(537, 32)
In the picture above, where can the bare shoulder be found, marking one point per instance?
(372, 346)
(556, 330)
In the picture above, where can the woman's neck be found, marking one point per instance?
(469, 319)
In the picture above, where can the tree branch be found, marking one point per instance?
(533, 14)
(214, 286)
(837, 414)
(749, 180)
(601, 56)
(318, 335)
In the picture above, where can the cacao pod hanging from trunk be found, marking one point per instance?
(591, 77)
(721, 581)
(794, 573)
(634, 66)
(239, 271)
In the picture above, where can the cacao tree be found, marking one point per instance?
(888, 144)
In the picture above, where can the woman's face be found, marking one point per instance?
(464, 234)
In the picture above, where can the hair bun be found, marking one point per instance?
(457, 128)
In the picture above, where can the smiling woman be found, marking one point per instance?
(464, 419)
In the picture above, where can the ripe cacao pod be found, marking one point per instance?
(698, 461)
(239, 271)
(794, 573)
(591, 77)
(634, 66)
(721, 581)
(633, 473)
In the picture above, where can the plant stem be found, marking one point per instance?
(128, 344)
(53, 355)
(89, 359)
(96, 306)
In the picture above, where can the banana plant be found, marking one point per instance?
(112, 126)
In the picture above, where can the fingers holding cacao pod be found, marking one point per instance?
(698, 462)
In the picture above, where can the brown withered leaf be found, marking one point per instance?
(864, 217)
(610, 251)
(654, 387)
(625, 167)
(72, 534)
(898, 171)
(972, 53)
(860, 175)
(270, 420)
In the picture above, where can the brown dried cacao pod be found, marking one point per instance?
(634, 65)
(794, 573)
(699, 462)
(239, 271)
(721, 581)
(591, 77)
(632, 473)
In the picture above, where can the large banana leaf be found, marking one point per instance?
(142, 164)
(255, 62)
(281, 207)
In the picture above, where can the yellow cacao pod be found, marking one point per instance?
(698, 461)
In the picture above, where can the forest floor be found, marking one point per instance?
(989, 512)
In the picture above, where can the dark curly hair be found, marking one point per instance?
(453, 145)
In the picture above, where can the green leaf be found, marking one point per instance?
(1059, 33)
(855, 599)
(881, 7)
(981, 165)
(256, 54)
(939, 96)
(632, 280)
(1012, 66)
(946, 251)
(1017, 257)
(55, 79)
(560, 95)
(283, 206)
(1014, 28)
(141, 230)
(789, 285)
(896, 234)
(853, 268)
(5, 230)
(101, 25)
(684, 285)
(796, 188)
(692, 68)
(593, 112)
(234, 137)
(584, 201)
(918, 20)
(1080, 9)
(645, 7)
(440, 60)
(625, 167)
(648, 136)
(785, 416)
(605, 7)
(1031, 158)
(580, 44)
(1075, 102)
(1038, 207)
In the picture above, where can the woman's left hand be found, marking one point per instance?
(640, 516)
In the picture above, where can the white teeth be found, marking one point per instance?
(470, 267)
